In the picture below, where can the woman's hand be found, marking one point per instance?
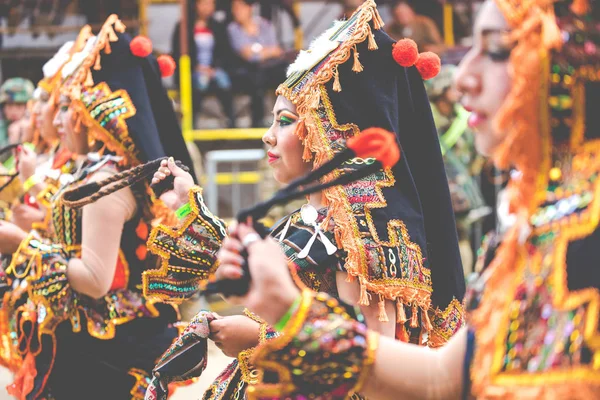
(234, 334)
(181, 185)
(24, 216)
(26, 160)
(272, 290)
(11, 237)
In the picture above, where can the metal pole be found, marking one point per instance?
(185, 76)
(448, 24)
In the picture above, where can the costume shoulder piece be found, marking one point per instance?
(188, 252)
(396, 226)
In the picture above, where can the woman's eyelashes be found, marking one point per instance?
(286, 119)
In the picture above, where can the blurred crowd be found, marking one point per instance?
(234, 47)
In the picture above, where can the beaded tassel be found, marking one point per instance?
(382, 314)
(357, 66)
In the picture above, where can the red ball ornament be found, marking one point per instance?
(141, 46)
(405, 52)
(167, 65)
(429, 65)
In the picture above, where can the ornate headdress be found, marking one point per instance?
(546, 263)
(116, 92)
(397, 225)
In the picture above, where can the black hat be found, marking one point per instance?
(120, 98)
(396, 226)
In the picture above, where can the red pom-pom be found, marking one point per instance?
(377, 143)
(405, 52)
(429, 65)
(166, 64)
(141, 46)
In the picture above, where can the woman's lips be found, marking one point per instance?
(476, 119)
(272, 157)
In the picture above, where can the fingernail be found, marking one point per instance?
(171, 159)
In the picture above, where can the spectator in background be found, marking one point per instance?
(262, 62)
(408, 24)
(14, 95)
(210, 54)
(348, 7)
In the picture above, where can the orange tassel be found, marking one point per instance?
(580, 7)
(337, 87)
(426, 321)
(382, 314)
(372, 42)
(119, 26)
(357, 66)
(315, 99)
(402, 333)
(400, 313)
(112, 36)
(414, 319)
(23, 383)
(377, 21)
(107, 47)
(363, 300)
(97, 65)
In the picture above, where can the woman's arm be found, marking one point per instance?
(349, 292)
(388, 369)
(406, 371)
(102, 227)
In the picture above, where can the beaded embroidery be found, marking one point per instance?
(188, 253)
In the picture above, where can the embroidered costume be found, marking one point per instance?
(373, 229)
(117, 98)
(533, 313)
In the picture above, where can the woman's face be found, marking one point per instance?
(241, 11)
(43, 114)
(205, 8)
(284, 148)
(63, 121)
(483, 76)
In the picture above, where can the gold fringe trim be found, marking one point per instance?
(82, 76)
(307, 98)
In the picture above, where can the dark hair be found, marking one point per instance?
(407, 2)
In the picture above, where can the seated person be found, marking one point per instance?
(209, 53)
(262, 62)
